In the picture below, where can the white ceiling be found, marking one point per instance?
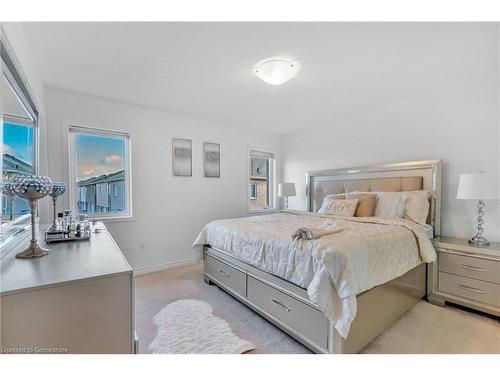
(205, 69)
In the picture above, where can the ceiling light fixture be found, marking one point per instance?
(276, 70)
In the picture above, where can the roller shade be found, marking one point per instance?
(261, 154)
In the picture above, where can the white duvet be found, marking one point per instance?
(369, 251)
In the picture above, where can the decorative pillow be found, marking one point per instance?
(366, 203)
(340, 207)
(417, 206)
(390, 205)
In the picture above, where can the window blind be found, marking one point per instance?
(261, 154)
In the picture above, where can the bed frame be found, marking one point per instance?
(287, 306)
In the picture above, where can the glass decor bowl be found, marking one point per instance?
(58, 188)
(7, 188)
(31, 187)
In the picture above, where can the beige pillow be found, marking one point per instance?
(366, 204)
(390, 204)
(340, 207)
(417, 206)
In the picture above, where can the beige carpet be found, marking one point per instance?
(424, 329)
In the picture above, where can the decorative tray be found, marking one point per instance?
(61, 236)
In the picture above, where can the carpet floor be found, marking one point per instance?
(424, 329)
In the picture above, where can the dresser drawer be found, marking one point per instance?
(465, 287)
(228, 276)
(480, 269)
(305, 320)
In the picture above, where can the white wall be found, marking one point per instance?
(457, 123)
(14, 34)
(168, 212)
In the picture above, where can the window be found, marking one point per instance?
(253, 191)
(17, 159)
(100, 172)
(261, 181)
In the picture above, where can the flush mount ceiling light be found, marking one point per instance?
(276, 70)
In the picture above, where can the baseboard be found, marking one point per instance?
(164, 266)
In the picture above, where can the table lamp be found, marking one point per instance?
(478, 186)
(286, 189)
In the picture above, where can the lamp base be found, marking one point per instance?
(33, 251)
(479, 240)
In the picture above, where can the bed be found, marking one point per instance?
(334, 294)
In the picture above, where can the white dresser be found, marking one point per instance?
(466, 275)
(78, 299)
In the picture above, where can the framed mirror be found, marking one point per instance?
(19, 121)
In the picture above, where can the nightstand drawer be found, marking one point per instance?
(480, 269)
(465, 287)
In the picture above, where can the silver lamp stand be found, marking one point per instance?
(34, 250)
(478, 239)
(32, 188)
(58, 188)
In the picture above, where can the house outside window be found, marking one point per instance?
(261, 181)
(100, 173)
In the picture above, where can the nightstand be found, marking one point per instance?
(466, 275)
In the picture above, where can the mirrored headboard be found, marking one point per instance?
(405, 176)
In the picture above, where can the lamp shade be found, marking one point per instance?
(477, 186)
(286, 189)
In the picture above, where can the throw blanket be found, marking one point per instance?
(314, 233)
(369, 251)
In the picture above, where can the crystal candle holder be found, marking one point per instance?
(58, 188)
(7, 191)
(32, 188)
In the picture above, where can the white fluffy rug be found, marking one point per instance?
(188, 326)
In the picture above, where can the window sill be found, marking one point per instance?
(113, 219)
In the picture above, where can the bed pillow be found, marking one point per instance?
(417, 206)
(390, 205)
(340, 207)
(366, 203)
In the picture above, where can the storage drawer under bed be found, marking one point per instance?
(230, 277)
(296, 315)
